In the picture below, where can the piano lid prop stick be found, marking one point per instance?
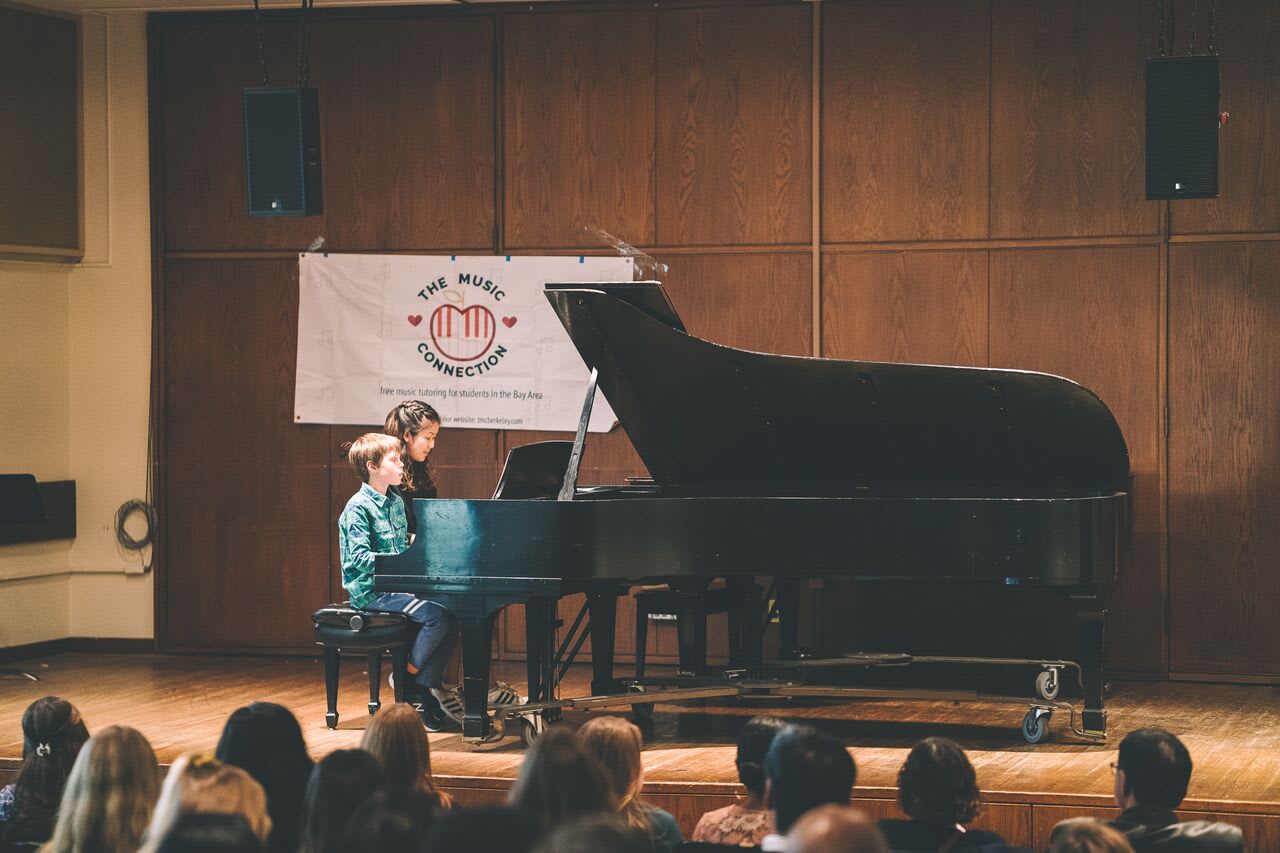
(579, 440)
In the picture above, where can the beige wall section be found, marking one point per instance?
(76, 345)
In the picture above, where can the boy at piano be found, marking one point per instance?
(374, 523)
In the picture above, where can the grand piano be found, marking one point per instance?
(786, 467)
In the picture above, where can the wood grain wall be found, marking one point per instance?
(946, 181)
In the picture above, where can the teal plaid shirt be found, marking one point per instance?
(371, 524)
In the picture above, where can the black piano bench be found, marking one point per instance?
(690, 609)
(341, 627)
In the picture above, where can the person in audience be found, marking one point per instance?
(938, 791)
(1153, 770)
(394, 821)
(595, 834)
(373, 522)
(1087, 835)
(265, 740)
(803, 769)
(198, 782)
(616, 743)
(396, 738)
(746, 823)
(339, 785)
(487, 829)
(52, 736)
(835, 829)
(109, 795)
(560, 780)
(211, 832)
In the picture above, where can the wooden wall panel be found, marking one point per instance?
(733, 106)
(205, 67)
(1249, 154)
(922, 307)
(246, 547)
(1067, 117)
(409, 148)
(1224, 458)
(578, 127)
(1091, 315)
(904, 120)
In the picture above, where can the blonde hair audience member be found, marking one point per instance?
(1086, 835)
(397, 738)
(199, 783)
(109, 795)
(616, 743)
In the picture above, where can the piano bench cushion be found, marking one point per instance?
(360, 630)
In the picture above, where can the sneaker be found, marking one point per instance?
(433, 717)
(450, 702)
(503, 693)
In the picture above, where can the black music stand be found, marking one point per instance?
(20, 506)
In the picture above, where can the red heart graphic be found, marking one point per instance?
(508, 321)
(415, 319)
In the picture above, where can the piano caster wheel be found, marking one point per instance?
(530, 728)
(1048, 685)
(331, 720)
(1035, 725)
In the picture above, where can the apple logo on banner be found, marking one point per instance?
(463, 334)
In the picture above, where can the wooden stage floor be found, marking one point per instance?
(180, 702)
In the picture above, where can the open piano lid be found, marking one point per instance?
(711, 419)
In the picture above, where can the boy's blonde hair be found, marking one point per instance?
(369, 449)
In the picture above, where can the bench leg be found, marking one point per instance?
(400, 667)
(331, 686)
(375, 682)
(642, 636)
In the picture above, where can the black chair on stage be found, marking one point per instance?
(690, 608)
(341, 627)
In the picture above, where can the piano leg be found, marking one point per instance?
(744, 621)
(538, 637)
(788, 618)
(477, 644)
(603, 605)
(1090, 617)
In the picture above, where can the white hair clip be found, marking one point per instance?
(44, 749)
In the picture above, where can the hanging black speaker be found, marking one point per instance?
(282, 151)
(1182, 127)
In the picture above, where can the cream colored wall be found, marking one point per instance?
(75, 344)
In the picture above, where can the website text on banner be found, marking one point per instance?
(472, 336)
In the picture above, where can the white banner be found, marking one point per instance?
(472, 336)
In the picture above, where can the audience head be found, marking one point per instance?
(805, 768)
(594, 834)
(1153, 769)
(937, 783)
(339, 784)
(560, 780)
(487, 829)
(616, 743)
(753, 744)
(395, 821)
(1086, 835)
(52, 736)
(198, 782)
(835, 829)
(397, 738)
(109, 795)
(265, 740)
(210, 832)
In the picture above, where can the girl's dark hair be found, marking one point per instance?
(52, 735)
(486, 829)
(339, 785)
(405, 421)
(753, 744)
(265, 740)
(595, 833)
(392, 822)
(560, 780)
(937, 783)
(205, 832)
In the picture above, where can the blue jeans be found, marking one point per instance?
(437, 633)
